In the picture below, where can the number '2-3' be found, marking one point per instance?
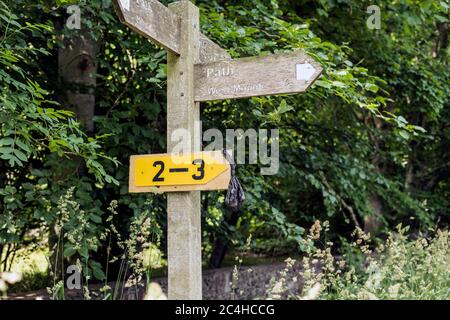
(200, 175)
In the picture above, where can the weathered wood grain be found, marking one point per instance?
(256, 76)
(211, 51)
(155, 21)
(184, 248)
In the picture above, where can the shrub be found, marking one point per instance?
(403, 267)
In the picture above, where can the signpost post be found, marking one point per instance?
(183, 209)
(198, 70)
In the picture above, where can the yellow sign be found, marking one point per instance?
(166, 172)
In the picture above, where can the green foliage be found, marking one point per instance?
(79, 232)
(369, 139)
(330, 138)
(403, 267)
(29, 126)
(35, 133)
(410, 54)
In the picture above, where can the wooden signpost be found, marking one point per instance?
(198, 70)
(154, 20)
(256, 76)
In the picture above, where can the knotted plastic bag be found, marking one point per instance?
(235, 195)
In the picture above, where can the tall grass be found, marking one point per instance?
(140, 250)
(402, 267)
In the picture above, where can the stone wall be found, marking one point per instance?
(252, 282)
(219, 284)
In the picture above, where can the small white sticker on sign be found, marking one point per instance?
(305, 71)
(125, 4)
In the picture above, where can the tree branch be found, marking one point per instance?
(342, 201)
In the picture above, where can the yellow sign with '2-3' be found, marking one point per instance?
(167, 172)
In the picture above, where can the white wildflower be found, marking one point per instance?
(313, 293)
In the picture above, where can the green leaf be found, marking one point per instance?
(323, 84)
(95, 218)
(339, 84)
(283, 108)
(404, 134)
(61, 3)
(99, 274)
(97, 270)
(19, 154)
(6, 142)
(84, 252)
(372, 87)
(69, 251)
(23, 146)
(418, 128)
(402, 119)
(6, 150)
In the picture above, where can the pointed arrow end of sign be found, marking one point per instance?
(125, 4)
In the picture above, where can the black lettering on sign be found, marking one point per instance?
(178, 170)
(158, 177)
(200, 169)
